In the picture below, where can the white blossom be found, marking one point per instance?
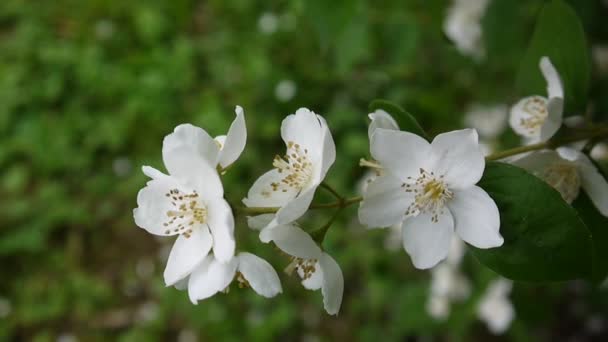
(212, 276)
(431, 189)
(537, 118)
(489, 121)
(495, 308)
(268, 23)
(292, 183)
(462, 25)
(317, 269)
(285, 90)
(567, 170)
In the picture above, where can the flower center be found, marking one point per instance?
(304, 267)
(430, 194)
(296, 166)
(564, 178)
(187, 212)
(536, 108)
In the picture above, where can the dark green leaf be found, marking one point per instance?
(598, 225)
(545, 240)
(406, 121)
(560, 36)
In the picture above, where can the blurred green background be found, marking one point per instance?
(88, 90)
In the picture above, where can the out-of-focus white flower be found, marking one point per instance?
(67, 337)
(599, 152)
(567, 170)
(268, 23)
(187, 335)
(600, 57)
(122, 166)
(212, 276)
(489, 121)
(448, 284)
(292, 183)
(317, 269)
(147, 312)
(495, 308)
(431, 189)
(104, 29)
(537, 118)
(5, 307)
(463, 26)
(285, 90)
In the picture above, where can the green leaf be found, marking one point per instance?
(560, 36)
(545, 240)
(598, 225)
(406, 121)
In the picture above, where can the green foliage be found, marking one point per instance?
(545, 240)
(598, 225)
(560, 36)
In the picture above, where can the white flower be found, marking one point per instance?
(495, 308)
(567, 170)
(317, 269)
(381, 119)
(489, 121)
(285, 90)
(463, 26)
(431, 189)
(268, 23)
(291, 185)
(213, 276)
(448, 284)
(537, 118)
(189, 202)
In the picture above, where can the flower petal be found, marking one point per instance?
(263, 194)
(152, 172)
(381, 119)
(329, 151)
(594, 183)
(554, 83)
(194, 172)
(305, 129)
(235, 141)
(428, 242)
(186, 254)
(153, 205)
(401, 153)
(295, 208)
(333, 284)
(384, 203)
(476, 217)
(259, 222)
(294, 241)
(194, 138)
(210, 277)
(260, 275)
(315, 280)
(221, 224)
(555, 110)
(520, 113)
(458, 156)
(537, 161)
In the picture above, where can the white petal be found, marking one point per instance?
(210, 277)
(458, 156)
(186, 254)
(221, 224)
(152, 172)
(152, 206)
(194, 138)
(235, 141)
(537, 161)
(384, 203)
(194, 172)
(182, 284)
(297, 207)
(521, 111)
(260, 275)
(401, 153)
(315, 280)
(381, 119)
(259, 222)
(476, 217)
(594, 183)
(333, 284)
(555, 109)
(261, 193)
(305, 129)
(428, 242)
(554, 83)
(294, 241)
(329, 151)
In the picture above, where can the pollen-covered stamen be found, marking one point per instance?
(243, 283)
(304, 267)
(430, 194)
(563, 177)
(187, 212)
(295, 165)
(536, 108)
